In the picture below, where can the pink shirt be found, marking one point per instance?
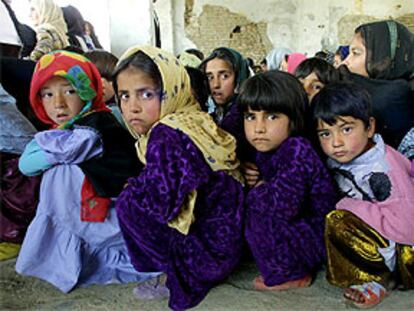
(394, 217)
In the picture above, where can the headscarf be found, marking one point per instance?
(275, 57)
(179, 110)
(81, 74)
(238, 61)
(390, 50)
(294, 61)
(74, 20)
(51, 18)
(190, 60)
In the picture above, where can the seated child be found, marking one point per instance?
(286, 209)
(85, 159)
(106, 63)
(369, 237)
(182, 214)
(314, 73)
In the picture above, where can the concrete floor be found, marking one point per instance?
(24, 293)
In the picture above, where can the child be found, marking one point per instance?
(314, 73)
(106, 63)
(288, 204)
(381, 59)
(369, 237)
(86, 159)
(183, 214)
(225, 69)
(291, 62)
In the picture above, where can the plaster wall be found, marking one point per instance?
(304, 26)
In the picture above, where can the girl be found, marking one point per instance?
(275, 58)
(288, 204)
(381, 52)
(291, 62)
(314, 73)
(225, 69)
(50, 27)
(86, 159)
(176, 216)
(369, 237)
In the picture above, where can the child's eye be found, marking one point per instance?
(317, 86)
(70, 92)
(347, 129)
(146, 95)
(224, 76)
(210, 77)
(123, 97)
(249, 117)
(272, 116)
(323, 135)
(46, 95)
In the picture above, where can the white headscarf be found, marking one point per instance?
(275, 57)
(51, 18)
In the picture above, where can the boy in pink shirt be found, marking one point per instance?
(369, 237)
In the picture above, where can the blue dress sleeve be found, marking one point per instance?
(33, 160)
(70, 146)
(54, 147)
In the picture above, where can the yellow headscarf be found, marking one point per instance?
(180, 110)
(51, 18)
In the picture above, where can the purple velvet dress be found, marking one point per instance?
(285, 218)
(196, 262)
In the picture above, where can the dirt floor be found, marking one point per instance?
(24, 293)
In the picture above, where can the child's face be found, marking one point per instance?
(357, 56)
(108, 90)
(139, 98)
(221, 79)
(312, 85)
(60, 100)
(337, 61)
(264, 130)
(346, 139)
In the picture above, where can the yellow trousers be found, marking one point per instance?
(353, 256)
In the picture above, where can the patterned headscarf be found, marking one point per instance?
(390, 50)
(180, 110)
(189, 60)
(51, 17)
(81, 74)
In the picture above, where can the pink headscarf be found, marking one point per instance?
(294, 60)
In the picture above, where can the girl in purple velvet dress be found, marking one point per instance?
(289, 200)
(182, 214)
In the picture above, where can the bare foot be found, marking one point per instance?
(259, 284)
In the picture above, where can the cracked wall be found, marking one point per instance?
(230, 30)
(255, 27)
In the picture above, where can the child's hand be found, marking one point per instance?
(250, 172)
(260, 182)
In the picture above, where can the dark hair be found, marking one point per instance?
(74, 49)
(276, 91)
(104, 61)
(227, 56)
(263, 61)
(196, 52)
(325, 72)
(199, 85)
(341, 99)
(321, 54)
(139, 61)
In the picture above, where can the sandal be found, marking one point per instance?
(365, 296)
(259, 284)
(9, 250)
